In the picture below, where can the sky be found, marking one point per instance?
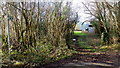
(56, 0)
(80, 8)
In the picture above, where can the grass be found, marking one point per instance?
(1, 55)
(85, 40)
(80, 33)
(0, 38)
(86, 46)
(110, 47)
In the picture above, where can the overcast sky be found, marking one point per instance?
(80, 8)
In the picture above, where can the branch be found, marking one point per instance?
(89, 10)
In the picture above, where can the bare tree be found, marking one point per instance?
(106, 15)
(33, 25)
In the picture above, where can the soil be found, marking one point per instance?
(88, 59)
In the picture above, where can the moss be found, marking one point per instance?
(109, 47)
(19, 63)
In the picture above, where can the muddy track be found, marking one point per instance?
(87, 60)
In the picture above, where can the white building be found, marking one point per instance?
(86, 26)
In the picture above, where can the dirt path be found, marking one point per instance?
(91, 60)
(87, 59)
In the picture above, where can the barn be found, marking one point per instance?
(85, 26)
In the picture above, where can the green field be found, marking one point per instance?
(79, 33)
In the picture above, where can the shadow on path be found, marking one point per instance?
(87, 61)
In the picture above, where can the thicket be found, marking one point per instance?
(39, 32)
